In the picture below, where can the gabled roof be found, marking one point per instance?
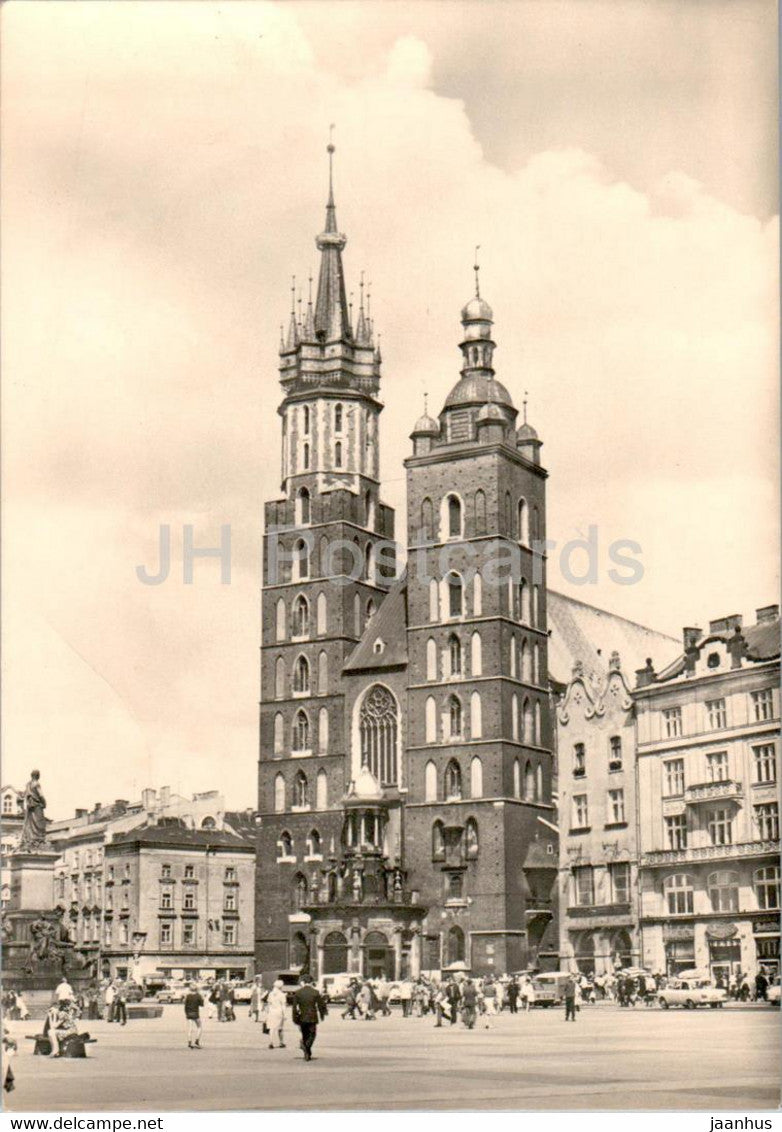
(389, 626)
(178, 836)
(761, 643)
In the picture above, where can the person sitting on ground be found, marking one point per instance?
(63, 1019)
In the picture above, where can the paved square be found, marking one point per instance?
(610, 1059)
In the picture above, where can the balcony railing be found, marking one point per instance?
(713, 791)
(709, 853)
(598, 911)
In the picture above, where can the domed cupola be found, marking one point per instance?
(477, 345)
(527, 440)
(425, 432)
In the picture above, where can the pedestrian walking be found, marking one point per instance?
(406, 997)
(121, 1005)
(193, 1002)
(570, 991)
(275, 1014)
(21, 1008)
(761, 987)
(513, 996)
(453, 995)
(257, 1000)
(309, 1008)
(469, 1001)
(351, 1001)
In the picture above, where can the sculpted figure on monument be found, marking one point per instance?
(49, 941)
(33, 838)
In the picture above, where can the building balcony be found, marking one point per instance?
(725, 791)
(710, 853)
(598, 911)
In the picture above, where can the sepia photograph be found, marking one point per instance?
(390, 573)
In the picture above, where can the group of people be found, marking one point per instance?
(14, 1006)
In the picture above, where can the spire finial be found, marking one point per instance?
(477, 269)
(293, 294)
(309, 299)
(361, 291)
(369, 299)
(350, 308)
(526, 395)
(330, 150)
(426, 404)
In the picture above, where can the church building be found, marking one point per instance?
(406, 766)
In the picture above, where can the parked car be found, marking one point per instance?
(290, 983)
(133, 992)
(773, 992)
(549, 987)
(173, 992)
(690, 993)
(243, 992)
(334, 987)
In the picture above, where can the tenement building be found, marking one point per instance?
(406, 770)
(707, 755)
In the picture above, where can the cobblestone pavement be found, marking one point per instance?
(608, 1059)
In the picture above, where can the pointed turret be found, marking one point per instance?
(332, 323)
(292, 340)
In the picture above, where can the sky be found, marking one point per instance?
(164, 175)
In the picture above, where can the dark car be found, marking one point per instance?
(290, 983)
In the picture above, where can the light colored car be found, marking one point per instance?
(690, 993)
(773, 993)
(243, 992)
(174, 992)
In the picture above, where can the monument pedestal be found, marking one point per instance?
(35, 953)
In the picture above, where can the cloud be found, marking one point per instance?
(164, 175)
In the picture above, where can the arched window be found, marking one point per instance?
(438, 842)
(454, 516)
(535, 525)
(508, 516)
(303, 510)
(301, 676)
(527, 727)
(301, 616)
(427, 520)
(476, 716)
(323, 673)
(323, 730)
(321, 614)
(301, 732)
(209, 823)
(724, 891)
(301, 560)
(536, 605)
(280, 569)
(455, 655)
(279, 678)
(431, 720)
(305, 412)
(369, 562)
(480, 513)
(454, 716)
(512, 602)
(516, 779)
(300, 790)
(455, 595)
(324, 558)
(514, 717)
(529, 781)
(767, 887)
(322, 790)
(537, 735)
(370, 609)
(523, 523)
(338, 454)
(335, 954)
(453, 781)
(434, 600)
(281, 620)
(338, 418)
(430, 782)
(357, 614)
(369, 511)
(678, 894)
(477, 595)
(476, 655)
(431, 659)
(476, 778)
(314, 845)
(536, 663)
(539, 783)
(378, 727)
(306, 456)
(524, 601)
(512, 650)
(279, 733)
(300, 891)
(279, 794)
(472, 843)
(526, 664)
(285, 845)
(455, 945)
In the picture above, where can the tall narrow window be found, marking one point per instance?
(455, 716)
(321, 614)
(539, 783)
(534, 526)
(516, 779)
(431, 659)
(438, 842)
(281, 618)
(526, 666)
(279, 794)
(453, 781)
(323, 673)
(279, 678)
(514, 717)
(305, 412)
(476, 716)
(323, 730)
(455, 595)
(301, 676)
(431, 720)
(527, 725)
(477, 595)
(370, 609)
(472, 844)
(476, 658)
(378, 728)
(524, 601)
(678, 894)
(427, 520)
(523, 523)
(434, 600)
(454, 517)
(322, 790)
(430, 782)
(536, 607)
(279, 733)
(338, 454)
(301, 616)
(529, 781)
(508, 515)
(455, 655)
(306, 456)
(357, 614)
(512, 653)
(480, 513)
(369, 562)
(301, 560)
(476, 778)
(300, 790)
(538, 733)
(338, 418)
(303, 509)
(301, 732)
(536, 663)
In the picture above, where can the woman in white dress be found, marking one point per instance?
(275, 1014)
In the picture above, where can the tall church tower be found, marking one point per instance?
(479, 730)
(323, 579)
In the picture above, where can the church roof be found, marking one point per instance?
(477, 389)
(585, 633)
(384, 643)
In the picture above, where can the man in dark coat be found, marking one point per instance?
(309, 1008)
(570, 999)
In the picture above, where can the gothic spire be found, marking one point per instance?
(332, 323)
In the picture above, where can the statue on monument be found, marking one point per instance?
(33, 838)
(50, 942)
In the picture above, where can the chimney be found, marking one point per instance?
(81, 813)
(645, 676)
(165, 796)
(690, 637)
(767, 613)
(148, 798)
(726, 624)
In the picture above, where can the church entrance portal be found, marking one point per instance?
(378, 957)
